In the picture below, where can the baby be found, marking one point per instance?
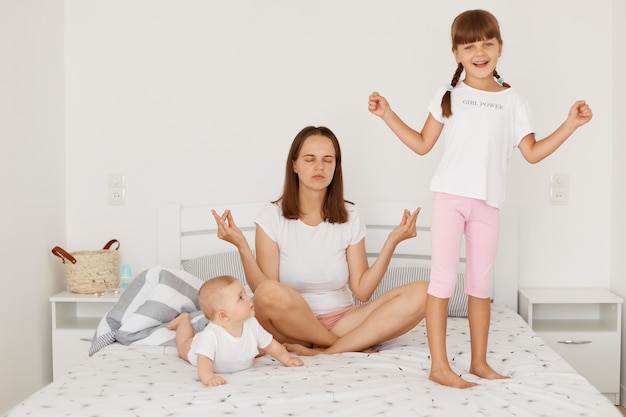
(232, 339)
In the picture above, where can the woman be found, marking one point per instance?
(311, 258)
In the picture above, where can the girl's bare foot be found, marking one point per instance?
(485, 371)
(173, 325)
(450, 379)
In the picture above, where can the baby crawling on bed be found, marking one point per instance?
(232, 339)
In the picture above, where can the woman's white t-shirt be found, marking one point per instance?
(480, 137)
(313, 258)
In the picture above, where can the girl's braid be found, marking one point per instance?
(495, 74)
(446, 102)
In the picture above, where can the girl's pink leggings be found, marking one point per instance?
(453, 217)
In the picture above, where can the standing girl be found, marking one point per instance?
(482, 120)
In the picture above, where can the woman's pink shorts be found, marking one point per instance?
(329, 320)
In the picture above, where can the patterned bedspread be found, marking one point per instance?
(152, 381)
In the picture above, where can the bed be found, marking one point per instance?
(134, 370)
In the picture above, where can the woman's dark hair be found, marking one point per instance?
(468, 27)
(334, 209)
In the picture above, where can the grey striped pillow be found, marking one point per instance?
(401, 275)
(210, 266)
(229, 263)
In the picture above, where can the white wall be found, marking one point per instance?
(197, 101)
(618, 194)
(32, 175)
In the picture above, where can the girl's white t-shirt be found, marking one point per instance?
(313, 258)
(480, 137)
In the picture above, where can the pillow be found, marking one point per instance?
(211, 266)
(145, 308)
(229, 263)
(401, 275)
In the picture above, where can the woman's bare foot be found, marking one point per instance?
(312, 351)
(173, 325)
(485, 371)
(450, 379)
(301, 350)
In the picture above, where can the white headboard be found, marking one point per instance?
(381, 217)
(190, 232)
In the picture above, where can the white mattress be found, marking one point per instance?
(153, 381)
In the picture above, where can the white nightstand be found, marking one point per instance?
(74, 321)
(584, 326)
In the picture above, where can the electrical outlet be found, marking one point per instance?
(116, 196)
(117, 189)
(558, 196)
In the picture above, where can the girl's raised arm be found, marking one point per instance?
(535, 151)
(419, 142)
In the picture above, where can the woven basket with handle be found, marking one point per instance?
(91, 272)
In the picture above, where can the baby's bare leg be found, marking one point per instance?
(184, 334)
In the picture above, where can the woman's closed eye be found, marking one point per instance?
(328, 159)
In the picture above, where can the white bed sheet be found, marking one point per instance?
(152, 381)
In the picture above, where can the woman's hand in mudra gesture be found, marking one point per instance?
(227, 230)
(407, 227)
